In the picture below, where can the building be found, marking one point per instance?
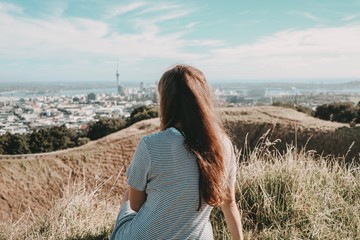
(120, 87)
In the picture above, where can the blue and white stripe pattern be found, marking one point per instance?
(168, 172)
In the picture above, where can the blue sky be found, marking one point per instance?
(238, 40)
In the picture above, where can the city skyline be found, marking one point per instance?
(237, 41)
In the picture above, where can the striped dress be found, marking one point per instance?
(168, 172)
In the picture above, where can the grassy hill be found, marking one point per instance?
(33, 181)
(56, 195)
(292, 127)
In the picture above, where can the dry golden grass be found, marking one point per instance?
(295, 195)
(292, 127)
(281, 196)
(83, 212)
(34, 187)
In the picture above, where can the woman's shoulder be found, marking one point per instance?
(166, 135)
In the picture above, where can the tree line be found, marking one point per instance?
(344, 112)
(60, 137)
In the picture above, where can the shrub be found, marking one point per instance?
(52, 139)
(82, 141)
(105, 126)
(14, 144)
(344, 112)
(142, 113)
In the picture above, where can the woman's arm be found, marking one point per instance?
(137, 198)
(232, 215)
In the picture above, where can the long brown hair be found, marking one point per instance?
(186, 102)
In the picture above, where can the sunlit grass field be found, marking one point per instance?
(295, 195)
(288, 195)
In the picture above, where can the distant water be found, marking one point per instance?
(70, 92)
(269, 91)
(308, 91)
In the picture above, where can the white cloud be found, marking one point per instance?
(192, 25)
(349, 17)
(150, 24)
(89, 49)
(170, 16)
(7, 7)
(70, 41)
(151, 21)
(156, 7)
(311, 16)
(206, 42)
(62, 36)
(307, 15)
(309, 53)
(123, 9)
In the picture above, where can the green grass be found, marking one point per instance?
(290, 195)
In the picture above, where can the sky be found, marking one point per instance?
(230, 41)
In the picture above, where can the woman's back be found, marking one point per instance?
(168, 172)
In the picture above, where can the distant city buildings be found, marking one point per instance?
(23, 115)
(27, 113)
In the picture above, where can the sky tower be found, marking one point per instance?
(120, 88)
(117, 76)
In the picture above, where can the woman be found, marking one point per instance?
(178, 174)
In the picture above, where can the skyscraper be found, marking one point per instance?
(120, 87)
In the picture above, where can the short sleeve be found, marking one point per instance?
(139, 168)
(233, 168)
(231, 163)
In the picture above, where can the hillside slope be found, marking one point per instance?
(292, 127)
(33, 182)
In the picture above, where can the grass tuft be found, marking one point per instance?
(81, 213)
(295, 195)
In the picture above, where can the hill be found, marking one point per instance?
(292, 127)
(33, 182)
